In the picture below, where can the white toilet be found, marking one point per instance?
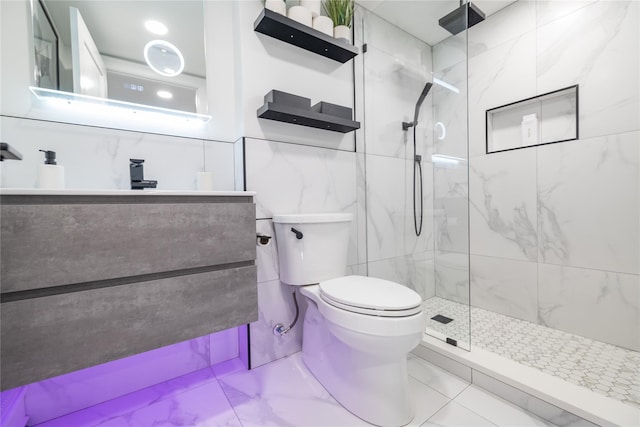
(357, 330)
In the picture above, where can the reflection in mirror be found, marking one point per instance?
(141, 52)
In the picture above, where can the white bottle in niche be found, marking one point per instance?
(529, 130)
(50, 175)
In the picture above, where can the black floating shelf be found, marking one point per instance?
(298, 116)
(282, 28)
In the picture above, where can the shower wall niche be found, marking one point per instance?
(543, 119)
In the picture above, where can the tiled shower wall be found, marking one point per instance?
(555, 230)
(396, 68)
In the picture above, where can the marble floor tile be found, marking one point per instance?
(127, 405)
(426, 400)
(204, 406)
(436, 378)
(454, 414)
(497, 410)
(284, 393)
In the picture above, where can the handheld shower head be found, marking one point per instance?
(423, 95)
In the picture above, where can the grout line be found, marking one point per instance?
(233, 408)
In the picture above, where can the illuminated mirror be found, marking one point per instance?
(134, 52)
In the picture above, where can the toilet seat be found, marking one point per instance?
(371, 296)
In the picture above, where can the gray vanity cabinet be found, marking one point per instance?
(90, 279)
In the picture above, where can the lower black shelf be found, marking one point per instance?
(298, 116)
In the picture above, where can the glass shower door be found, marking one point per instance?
(416, 175)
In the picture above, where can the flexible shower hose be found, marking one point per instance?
(417, 169)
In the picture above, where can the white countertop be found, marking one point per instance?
(97, 192)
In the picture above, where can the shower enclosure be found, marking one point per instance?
(530, 251)
(417, 175)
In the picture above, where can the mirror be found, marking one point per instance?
(141, 52)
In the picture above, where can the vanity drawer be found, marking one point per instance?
(52, 335)
(46, 245)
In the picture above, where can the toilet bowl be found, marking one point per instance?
(357, 330)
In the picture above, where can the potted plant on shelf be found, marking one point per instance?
(278, 6)
(341, 13)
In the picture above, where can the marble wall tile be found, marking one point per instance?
(503, 215)
(267, 256)
(505, 286)
(550, 10)
(98, 158)
(424, 242)
(589, 203)
(449, 52)
(451, 206)
(357, 270)
(504, 74)
(385, 207)
(597, 47)
(290, 178)
(361, 202)
(450, 111)
(390, 220)
(601, 305)
(452, 276)
(392, 87)
(71, 392)
(275, 305)
(223, 346)
(414, 271)
(511, 22)
(394, 41)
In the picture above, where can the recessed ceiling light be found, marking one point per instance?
(164, 94)
(164, 58)
(156, 27)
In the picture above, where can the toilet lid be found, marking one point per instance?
(369, 295)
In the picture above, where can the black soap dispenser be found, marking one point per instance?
(50, 174)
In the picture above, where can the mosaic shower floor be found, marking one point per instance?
(603, 368)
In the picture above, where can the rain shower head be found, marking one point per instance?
(465, 16)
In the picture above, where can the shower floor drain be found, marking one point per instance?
(442, 319)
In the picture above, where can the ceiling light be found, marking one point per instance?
(164, 94)
(164, 58)
(156, 27)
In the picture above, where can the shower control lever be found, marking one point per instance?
(298, 234)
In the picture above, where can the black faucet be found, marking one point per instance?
(137, 176)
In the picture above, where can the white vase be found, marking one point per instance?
(342, 32)
(301, 15)
(277, 6)
(313, 5)
(324, 24)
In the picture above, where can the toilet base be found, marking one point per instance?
(371, 384)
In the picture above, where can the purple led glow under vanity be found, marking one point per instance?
(158, 374)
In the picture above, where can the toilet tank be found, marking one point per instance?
(321, 251)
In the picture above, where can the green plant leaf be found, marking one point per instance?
(340, 11)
